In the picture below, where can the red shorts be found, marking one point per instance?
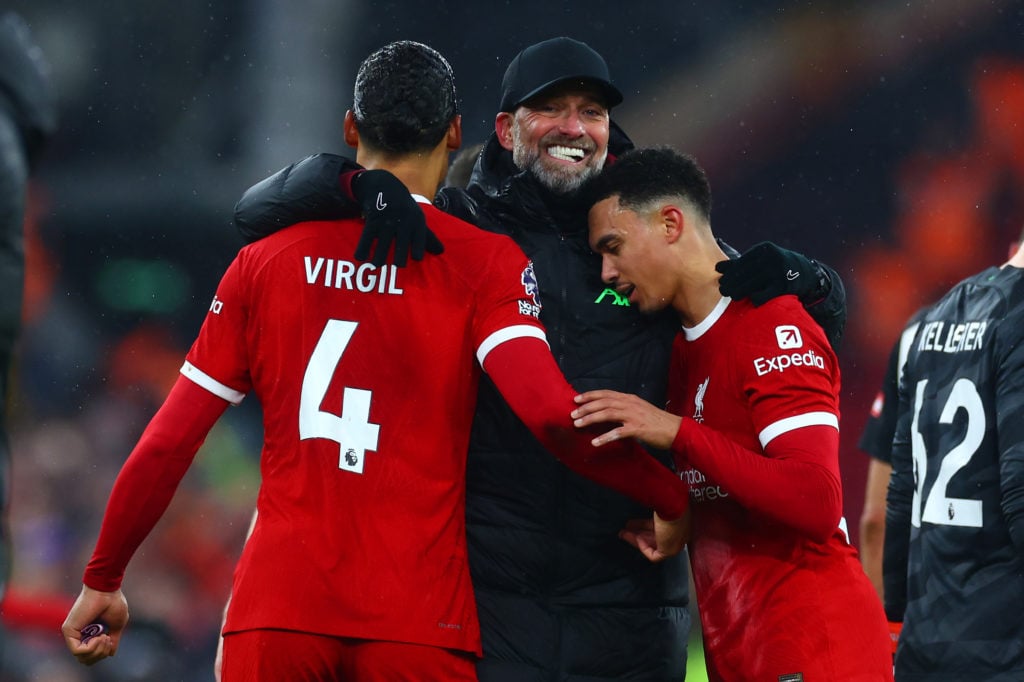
(275, 655)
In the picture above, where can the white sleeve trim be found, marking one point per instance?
(507, 334)
(204, 380)
(770, 432)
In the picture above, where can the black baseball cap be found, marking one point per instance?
(552, 62)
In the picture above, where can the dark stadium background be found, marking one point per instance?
(884, 138)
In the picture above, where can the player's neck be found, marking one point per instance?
(696, 298)
(697, 291)
(420, 172)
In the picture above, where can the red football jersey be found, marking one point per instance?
(774, 603)
(368, 379)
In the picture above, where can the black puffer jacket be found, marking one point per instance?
(560, 597)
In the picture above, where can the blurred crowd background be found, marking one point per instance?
(884, 138)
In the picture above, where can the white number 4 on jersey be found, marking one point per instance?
(352, 430)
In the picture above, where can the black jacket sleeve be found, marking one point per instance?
(306, 190)
(830, 311)
(896, 551)
(1010, 425)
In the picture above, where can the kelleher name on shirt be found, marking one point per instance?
(343, 274)
(946, 337)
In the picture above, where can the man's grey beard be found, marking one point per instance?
(560, 180)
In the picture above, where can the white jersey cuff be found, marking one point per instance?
(770, 432)
(196, 375)
(507, 334)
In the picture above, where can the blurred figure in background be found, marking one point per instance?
(28, 117)
(461, 167)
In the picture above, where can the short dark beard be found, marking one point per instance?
(565, 183)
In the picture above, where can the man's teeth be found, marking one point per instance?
(566, 153)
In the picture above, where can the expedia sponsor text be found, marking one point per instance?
(780, 363)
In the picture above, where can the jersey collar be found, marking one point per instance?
(695, 332)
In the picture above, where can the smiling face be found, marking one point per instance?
(634, 253)
(561, 137)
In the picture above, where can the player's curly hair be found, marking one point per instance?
(641, 177)
(404, 98)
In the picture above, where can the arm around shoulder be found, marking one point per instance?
(306, 190)
(544, 403)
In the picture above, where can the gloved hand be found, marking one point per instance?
(767, 271)
(392, 216)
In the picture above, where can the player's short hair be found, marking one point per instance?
(641, 177)
(404, 98)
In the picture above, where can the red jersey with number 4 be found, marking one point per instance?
(775, 604)
(367, 378)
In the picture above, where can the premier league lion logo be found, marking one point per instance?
(529, 281)
(530, 284)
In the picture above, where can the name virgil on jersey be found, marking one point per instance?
(342, 274)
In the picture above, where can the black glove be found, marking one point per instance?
(767, 271)
(392, 216)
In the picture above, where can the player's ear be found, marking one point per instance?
(503, 129)
(455, 133)
(673, 221)
(351, 131)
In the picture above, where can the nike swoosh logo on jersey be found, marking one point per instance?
(381, 204)
(790, 275)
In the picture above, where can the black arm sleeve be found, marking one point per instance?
(1010, 425)
(830, 311)
(896, 552)
(306, 190)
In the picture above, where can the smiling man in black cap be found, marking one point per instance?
(556, 96)
(559, 595)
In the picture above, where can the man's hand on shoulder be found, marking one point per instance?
(392, 218)
(767, 271)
